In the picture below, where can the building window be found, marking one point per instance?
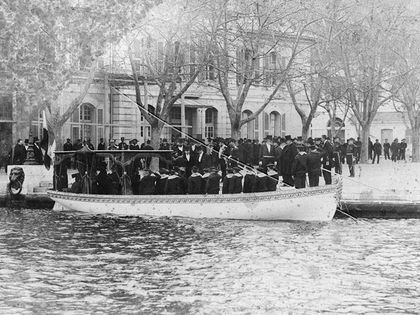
(209, 132)
(283, 125)
(100, 116)
(6, 107)
(148, 131)
(141, 131)
(86, 112)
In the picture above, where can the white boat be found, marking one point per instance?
(308, 204)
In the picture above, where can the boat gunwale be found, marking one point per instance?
(199, 198)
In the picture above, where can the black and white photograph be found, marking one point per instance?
(209, 157)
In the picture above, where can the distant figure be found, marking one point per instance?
(134, 145)
(37, 151)
(394, 150)
(122, 145)
(387, 147)
(350, 155)
(18, 153)
(68, 146)
(101, 145)
(370, 148)
(327, 159)
(377, 151)
(403, 147)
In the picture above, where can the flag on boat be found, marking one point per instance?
(46, 148)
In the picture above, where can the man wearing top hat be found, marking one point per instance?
(37, 151)
(287, 158)
(267, 153)
(314, 166)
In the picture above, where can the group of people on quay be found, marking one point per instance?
(220, 166)
(394, 151)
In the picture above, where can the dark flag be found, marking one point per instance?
(46, 148)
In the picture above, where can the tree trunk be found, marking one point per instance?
(364, 132)
(305, 131)
(415, 152)
(57, 136)
(155, 132)
(235, 126)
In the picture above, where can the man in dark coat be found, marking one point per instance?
(288, 156)
(147, 184)
(213, 182)
(314, 166)
(134, 145)
(249, 181)
(237, 181)
(377, 151)
(300, 168)
(122, 145)
(161, 182)
(202, 160)
(370, 148)
(37, 151)
(394, 150)
(267, 153)
(327, 159)
(350, 155)
(403, 147)
(272, 178)
(195, 182)
(387, 147)
(68, 146)
(337, 155)
(101, 144)
(19, 153)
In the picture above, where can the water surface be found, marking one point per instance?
(68, 263)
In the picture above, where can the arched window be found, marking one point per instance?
(87, 116)
(266, 124)
(275, 124)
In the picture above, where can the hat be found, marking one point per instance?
(270, 165)
(299, 138)
(288, 137)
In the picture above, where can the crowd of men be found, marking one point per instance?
(225, 165)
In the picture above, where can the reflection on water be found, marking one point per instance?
(65, 262)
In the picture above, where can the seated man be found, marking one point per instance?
(147, 183)
(249, 181)
(228, 182)
(161, 181)
(114, 180)
(272, 178)
(76, 187)
(261, 181)
(195, 182)
(237, 181)
(213, 182)
(175, 184)
(102, 180)
(205, 178)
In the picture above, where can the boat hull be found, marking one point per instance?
(310, 204)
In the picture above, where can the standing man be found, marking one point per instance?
(358, 146)
(286, 161)
(314, 166)
(403, 147)
(394, 150)
(350, 155)
(327, 159)
(300, 167)
(337, 156)
(370, 148)
(387, 147)
(377, 151)
(267, 155)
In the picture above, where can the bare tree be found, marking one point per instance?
(406, 85)
(257, 44)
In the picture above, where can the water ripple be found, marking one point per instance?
(68, 263)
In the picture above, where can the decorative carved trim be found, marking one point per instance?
(179, 199)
